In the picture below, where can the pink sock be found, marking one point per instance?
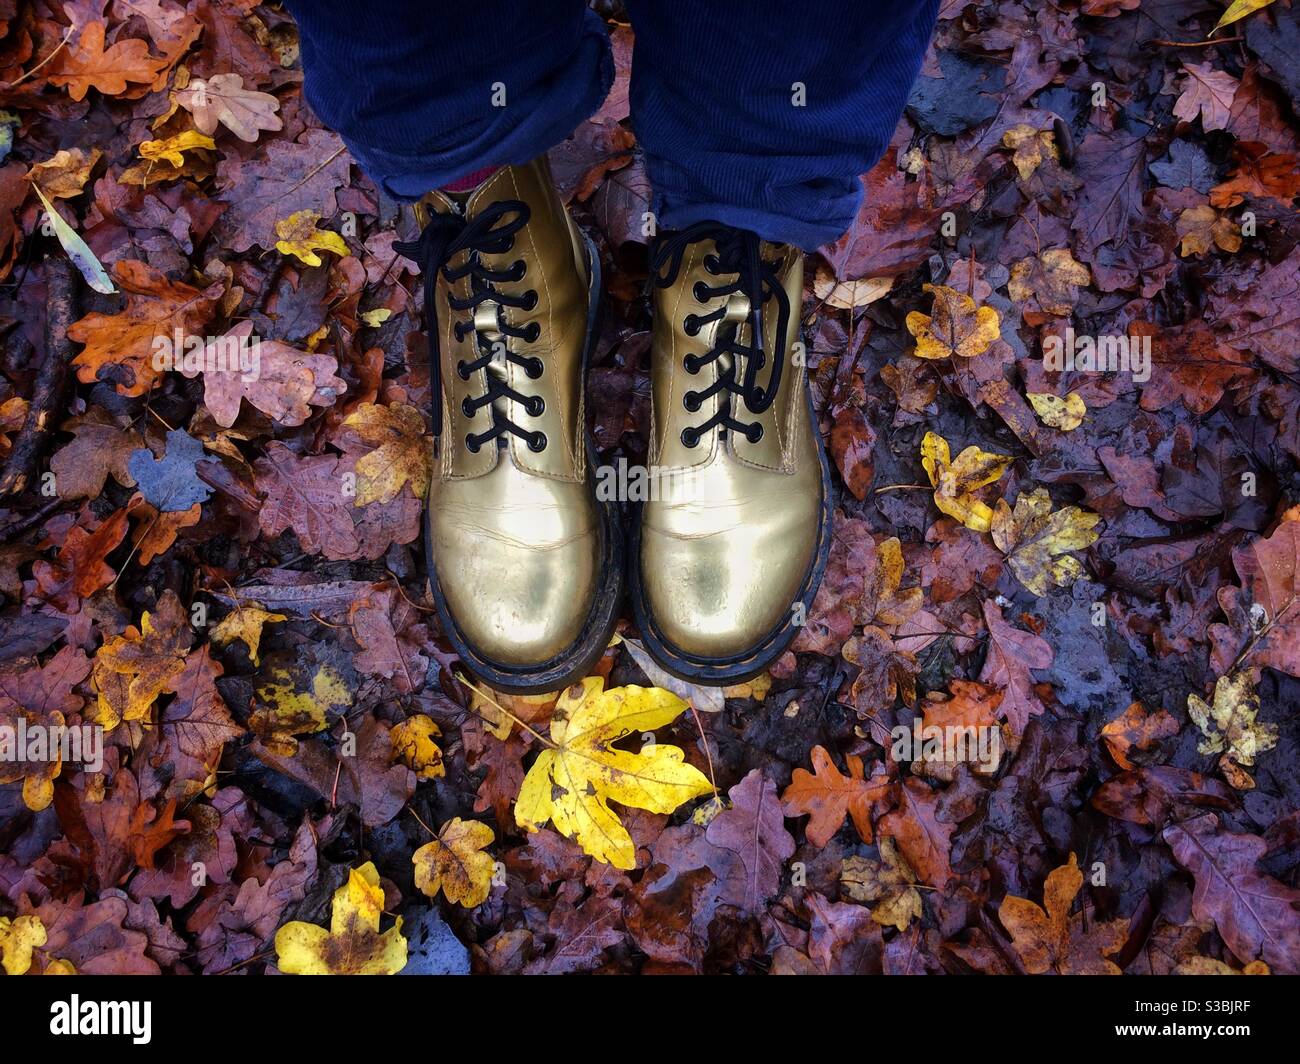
(470, 181)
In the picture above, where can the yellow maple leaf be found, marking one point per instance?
(401, 452)
(172, 149)
(455, 863)
(572, 783)
(413, 744)
(1230, 726)
(245, 623)
(954, 481)
(1056, 412)
(1037, 540)
(300, 238)
(132, 670)
(286, 711)
(353, 944)
(958, 326)
(18, 938)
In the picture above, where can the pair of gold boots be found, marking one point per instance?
(526, 558)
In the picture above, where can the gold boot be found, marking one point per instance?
(734, 538)
(524, 564)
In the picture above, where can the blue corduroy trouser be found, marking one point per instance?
(757, 113)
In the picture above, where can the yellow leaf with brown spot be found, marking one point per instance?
(18, 938)
(958, 326)
(401, 452)
(300, 238)
(954, 481)
(1037, 540)
(455, 863)
(572, 783)
(245, 623)
(413, 744)
(1056, 412)
(1049, 280)
(133, 669)
(1230, 725)
(285, 709)
(353, 944)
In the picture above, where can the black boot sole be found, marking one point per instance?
(575, 662)
(722, 672)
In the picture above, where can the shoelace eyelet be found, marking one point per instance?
(530, 299)
(691, 364)
(690, 325)
(531, 332)
(535, 406)
(690, 437)
(537, 442)
(467, 407)
(691, 400)
(533, 368)
(462, 371)
(754, 433)
(712, 264)
(472, 445)
(701, 292)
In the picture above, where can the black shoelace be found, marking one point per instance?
(738, 252)
(491, 232)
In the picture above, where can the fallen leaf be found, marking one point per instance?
(572, 783)
(353, 944)
(455, 863)
(828, 796)
(954, 481)
(959, 327)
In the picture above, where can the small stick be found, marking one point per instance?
(62, 281)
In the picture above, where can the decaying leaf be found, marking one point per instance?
(1037, 540)
(353, 944)
(299, 236)
(1066, 413)
(954, 481)
(958, 326)
(888, 883)
(222, 99)
(828, 796)
(1231, 726)
(1049, 939)
(455, 863)
(414, 744)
